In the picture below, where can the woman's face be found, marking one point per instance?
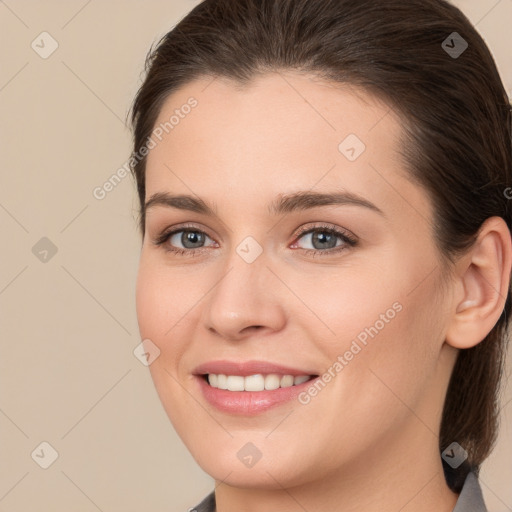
(317, 260)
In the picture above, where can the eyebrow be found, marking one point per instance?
(284, 203)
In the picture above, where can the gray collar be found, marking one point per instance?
(470, 498)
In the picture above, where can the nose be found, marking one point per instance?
(245, 300)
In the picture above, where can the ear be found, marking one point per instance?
(483, 280)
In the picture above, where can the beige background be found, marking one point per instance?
(68, 375)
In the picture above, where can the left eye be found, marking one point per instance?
(324, 239)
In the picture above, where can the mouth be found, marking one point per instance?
(256, 382)
(252, 387)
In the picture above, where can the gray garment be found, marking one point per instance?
(470, 498)
(207, 505)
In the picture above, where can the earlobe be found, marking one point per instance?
(484, 278)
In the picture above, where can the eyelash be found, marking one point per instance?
(348, 240)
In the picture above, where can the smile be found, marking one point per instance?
(249, 388)
(257, 382)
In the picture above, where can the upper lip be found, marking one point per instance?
(246, 368)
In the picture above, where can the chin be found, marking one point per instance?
(236, 463)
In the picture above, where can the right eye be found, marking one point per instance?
(191, 239)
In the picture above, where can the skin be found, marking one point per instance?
(369, 439)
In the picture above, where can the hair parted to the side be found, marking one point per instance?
(456, 120)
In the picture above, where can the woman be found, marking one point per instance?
(325, 268)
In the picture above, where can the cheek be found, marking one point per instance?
(168, 303)
(151, 303)
(385, 335)
(163, 298)
(161, 313)
(348, 304)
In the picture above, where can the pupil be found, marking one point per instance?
(192, 237)
(323, 238)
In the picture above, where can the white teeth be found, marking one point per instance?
(235, 383)
(286, 381)
(257, 382)
(222, 382)
(254, 383)
(272, 381)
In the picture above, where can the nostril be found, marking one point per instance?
(253, 327)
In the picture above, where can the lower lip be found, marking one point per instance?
(249, 403)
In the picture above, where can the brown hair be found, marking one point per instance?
(456, 130)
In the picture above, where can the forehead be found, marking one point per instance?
(280, 131)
